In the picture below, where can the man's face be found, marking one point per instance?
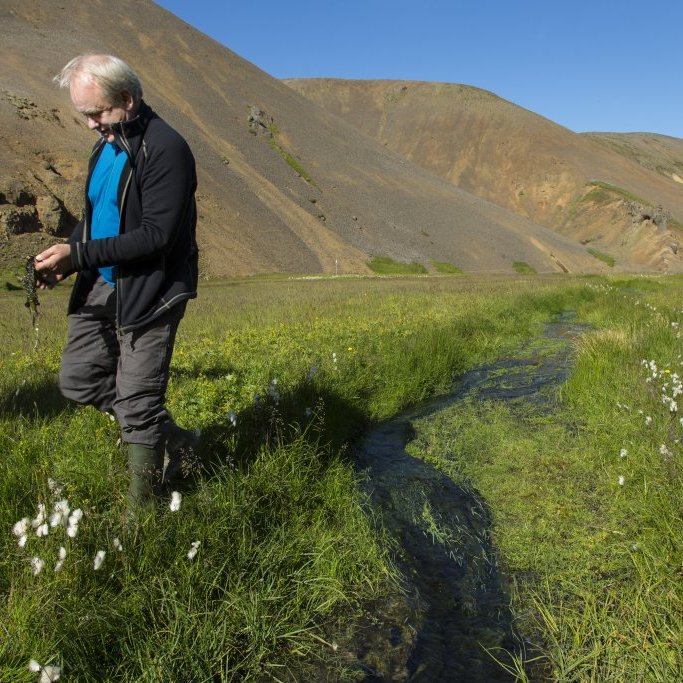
(89, 100)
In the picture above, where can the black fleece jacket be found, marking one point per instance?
(155, 251)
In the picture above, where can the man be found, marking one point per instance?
(135, 256)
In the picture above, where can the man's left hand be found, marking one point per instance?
(54, 262)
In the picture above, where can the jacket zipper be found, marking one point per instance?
(121, 137)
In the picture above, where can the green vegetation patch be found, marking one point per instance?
(291, 160)
(384, 265)
(286, 555)
(601, 256)
(585, 488)
(446, 268)
(603, 193)
(523, 268)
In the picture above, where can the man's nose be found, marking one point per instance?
(92, 123)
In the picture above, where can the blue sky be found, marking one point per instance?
(597, 65)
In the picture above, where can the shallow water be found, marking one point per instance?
(457, 606)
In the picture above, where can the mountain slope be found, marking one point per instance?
(284, 185)
(528, 164)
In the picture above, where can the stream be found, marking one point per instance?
(456, 605)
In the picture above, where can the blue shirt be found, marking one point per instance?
(103, 195)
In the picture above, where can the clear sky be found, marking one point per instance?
(589, 65)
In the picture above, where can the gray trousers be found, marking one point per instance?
(122, 373)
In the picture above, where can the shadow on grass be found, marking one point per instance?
(32, 398)
(316, 415)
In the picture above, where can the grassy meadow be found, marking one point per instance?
(274, 553)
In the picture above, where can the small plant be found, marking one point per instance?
(523, 268)
(601, 256)
(292, 162)
(384, 265)
(446, 268)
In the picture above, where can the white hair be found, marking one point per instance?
(112, 74)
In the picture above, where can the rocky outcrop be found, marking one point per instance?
(26, 208)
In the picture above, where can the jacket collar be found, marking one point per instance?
(129, 134)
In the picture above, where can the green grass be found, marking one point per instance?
(594, 562)
(293, 162)
(604, 193)
(523, 268)
(384, 265)
(289, 555)
(446, 268)
(601, 256)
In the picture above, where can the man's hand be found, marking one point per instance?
(52, 265)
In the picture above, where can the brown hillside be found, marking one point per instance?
(293, 189)
(536, 168)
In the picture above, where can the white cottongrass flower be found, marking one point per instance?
(273, 391)
(42, 530)
(117, 544)
(233, 418)
(648, 421)
(194, 548)
(623, 453)
(72, 523)
(176, 500)
(37, 565)
(48, 673)
(21, 527)
(40, 517)
(621, 480)
(334, 357)
(60, 561)
(22, 540)
(55, 487)
(664, 451)
(60, 513)
(99, 559)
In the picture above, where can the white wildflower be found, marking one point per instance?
(42, 530)
(21, 527)
(55, 487)
(233, 418)
(193, 550)
(176, 500)
(40, 517)
(273, 391)
(621, 480)
(99, 559)
(648, 421)
(72, 523)
(48, 673)
(60, 561)
(334, 357)
(22, 540)
(664, 451)
(37, 565)
(623, 453)
(60, 513)
(117, 544)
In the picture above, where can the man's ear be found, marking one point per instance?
(127, 101)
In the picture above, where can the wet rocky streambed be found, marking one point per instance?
(455, 616)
